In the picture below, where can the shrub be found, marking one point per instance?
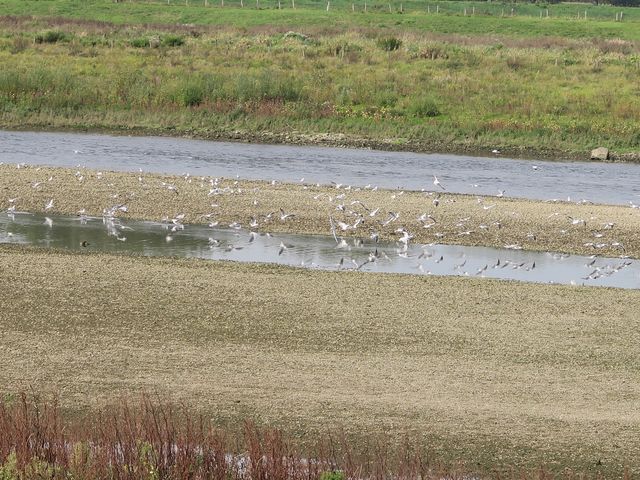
(389, 44)
(424, 107)
(51, 36)
(141, 42)
(192, 95)
(301, 37)
(172, 41)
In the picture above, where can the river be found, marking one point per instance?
(611, 183)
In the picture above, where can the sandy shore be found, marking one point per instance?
(497, 373)
(456, 219)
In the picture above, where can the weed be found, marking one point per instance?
(19, 44)
(424, 107)
(51, 36)
(389, 44)
(301, 37)
(141, 42)
(192, 95)
(172, 41)
(434, 52)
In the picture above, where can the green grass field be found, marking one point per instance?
(556, 87)
(562, 21)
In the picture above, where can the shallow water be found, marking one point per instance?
(597, 182)
(322, 252)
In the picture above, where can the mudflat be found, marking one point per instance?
(496, 373)
(430, 217)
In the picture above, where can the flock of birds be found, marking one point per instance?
(351, 217)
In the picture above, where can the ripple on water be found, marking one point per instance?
(612, 183)
(322, 252)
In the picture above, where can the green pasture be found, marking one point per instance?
(521, 19)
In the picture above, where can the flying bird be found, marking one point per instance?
(284, 216)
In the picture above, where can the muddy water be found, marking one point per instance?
(321, 252)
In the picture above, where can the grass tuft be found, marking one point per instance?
(51, 36)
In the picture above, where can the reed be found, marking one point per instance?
(148, 438)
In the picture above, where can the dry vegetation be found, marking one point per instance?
(533, 225)
(157, 440)
(154, 439)
(496, 373)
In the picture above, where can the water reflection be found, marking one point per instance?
(543, 180)
(159, 239)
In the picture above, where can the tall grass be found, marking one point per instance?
(486, 92)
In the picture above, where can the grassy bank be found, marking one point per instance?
(496, 373)
(459, 219)
(355, 85)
